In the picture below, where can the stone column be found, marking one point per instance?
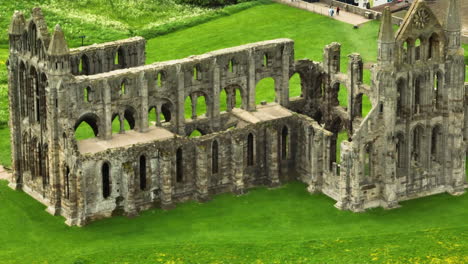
(283, 87)
(166, 180)
(272, 157)
(315, 181)
(345, 175)
(143, 84)
(180, 104)
(215, 120)
(106, 118)
(202, 173)
(251, 82)
(128, 172)
(238, 165)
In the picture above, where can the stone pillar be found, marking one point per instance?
(202, 173)
(238, 165)
(272, 157)
(106, 118)
(283, 87)
(128, 172)
(346, 168)
(180, 104)
(215, 109)
(251, 82)
(357, 156)
(193, 100)
(166, 180)
(143, 84)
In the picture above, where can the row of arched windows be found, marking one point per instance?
(435, 92)
(423, 49)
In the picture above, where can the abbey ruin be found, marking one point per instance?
(413, 142)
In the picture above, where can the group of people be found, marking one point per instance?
(331, 11)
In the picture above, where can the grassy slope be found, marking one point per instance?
(283, 226)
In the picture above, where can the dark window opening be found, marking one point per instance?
(266, 61)
(179, 166)
(284, 143)
(106, 188)
(87, 92)
(214, 157)
(142, 172)
(250, 150)
(67, 182)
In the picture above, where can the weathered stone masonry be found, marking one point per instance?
(411, 144)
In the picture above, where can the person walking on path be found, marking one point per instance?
(331, 11)
(337, 10)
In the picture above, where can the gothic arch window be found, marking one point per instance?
(142, 172)
(400, 150)
(87, 94)
(83, 67)
(284, 143)
(250, 150)
(67, 182)
(106, 183)
(417, 95)
(434, 47)
(437, 99)
(23, 91)
(436, 143)
(197, 74)
(416, 152)
(401, 89)
(214, 157)
(32, 39)
(179, 165)
(368, 160)
(123, 87)
(160, 79)
(418, 49)
(232, 66)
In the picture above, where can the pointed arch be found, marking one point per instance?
(92, 120)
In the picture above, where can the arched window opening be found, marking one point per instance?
(284, 143)
(197, 72)
(399, 101)
(179, 166)
(67, 182)
(223, 101)
(195, 106)
(231, 66)
(32, 39)
(34, 91)
(437, 93)
(250, 150)
(123, 87)
(367, 160)
(84, 65)
(196, 133)
(434, 47)
(417, 95)
(119, 58)
(340, 95)
(152, 116)
(87, 94)
(129, 116)
(436, 141)
(106, 185)
(405, 52)
(417, 49)
(265, 87)
(160, 79)
(142, 172)
(400, 151)
(23, 92)
(232, 98)
(295, 86)
(417, 146)
(86, 127)
(214, 157)
(166, 112)
(119, 125)
(266, 62)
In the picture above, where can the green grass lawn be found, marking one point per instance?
(285, 225)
